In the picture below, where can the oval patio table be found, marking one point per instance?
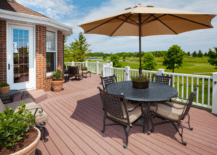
(157, 92)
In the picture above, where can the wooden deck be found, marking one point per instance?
(75, 124)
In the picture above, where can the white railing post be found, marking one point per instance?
(111, 63)
(86, 63)
(97, 68)
(160, 72)
(127, 73)
(214, 93)
(73, 63)
(103, 70)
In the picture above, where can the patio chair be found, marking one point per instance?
(175, 113)
(74, 71)
(108, 80)
(119, 111)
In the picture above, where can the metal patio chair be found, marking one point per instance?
(108, 80)
(74, 71)
(117, 110)
(175, 113)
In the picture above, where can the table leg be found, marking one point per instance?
(147, 118)
(143, 116)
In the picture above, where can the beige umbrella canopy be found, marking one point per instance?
(146, 21)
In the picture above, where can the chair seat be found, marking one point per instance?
(133, 115)
(169, 112)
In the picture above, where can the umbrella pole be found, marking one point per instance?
(140, 55)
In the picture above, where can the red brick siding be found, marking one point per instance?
(60, 50)
(3, 52)
(40, 56)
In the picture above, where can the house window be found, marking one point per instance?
(50, 51)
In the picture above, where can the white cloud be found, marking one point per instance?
(52, 8)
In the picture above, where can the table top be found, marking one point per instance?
(12, 92)
(155, 92)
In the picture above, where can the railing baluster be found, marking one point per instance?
(209, 92)
(198, 89)
(192, 84)
(174, 80)
(182, 86)
(202, 91)
(178, 84)
(187, 88)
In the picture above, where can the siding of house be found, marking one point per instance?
(43, 82)
(3, 53)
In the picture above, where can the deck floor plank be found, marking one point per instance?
(75, 124)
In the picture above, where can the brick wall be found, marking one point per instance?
(3, 52)
(60, 50)
(40, 56)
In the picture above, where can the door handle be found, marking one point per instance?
(8, 66)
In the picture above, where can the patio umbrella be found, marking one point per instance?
(147, 21)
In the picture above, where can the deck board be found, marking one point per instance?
(75, 124)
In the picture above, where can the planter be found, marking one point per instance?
(4, 90)
(57, 85)
(140, 85)
(31, 148)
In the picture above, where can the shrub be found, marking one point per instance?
(58, 75)
(148, 61)
(115, 59)
(3, 84)
(84, 68)
(13, 125)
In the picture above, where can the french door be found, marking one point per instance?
(20, 57)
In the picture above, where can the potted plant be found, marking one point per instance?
(4, 88)
(17, 132)
(140, 82)
(58, 80)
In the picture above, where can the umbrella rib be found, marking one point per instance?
(146, 19)
(127, 21)
(131, 19)
(101, 24)
(121, 24)
(164, 24)
(153, 19)
(191, 21)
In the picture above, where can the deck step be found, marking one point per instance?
(38, 95)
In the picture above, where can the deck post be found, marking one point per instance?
(214, 93)
(103, 70)
(127, 73)
(97, 68)
(160, 72)
(73, 63)
(86, 63)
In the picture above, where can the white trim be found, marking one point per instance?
(5, 14)
(32, 83)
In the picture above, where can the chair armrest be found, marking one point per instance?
(132, 108)
(41, 110)
(182, 98)
(167, 104)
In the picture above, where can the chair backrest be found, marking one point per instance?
(115, 105)
(108, 80)
(162, 79)
(189, 103)
(73, 70)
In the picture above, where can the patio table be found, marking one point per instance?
(157, 92)
(9, 97)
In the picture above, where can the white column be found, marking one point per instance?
(73, 63)
(97, 68)
(214, 93)
(127, 73)
(160, 72)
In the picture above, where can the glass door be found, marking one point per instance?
(21, 57)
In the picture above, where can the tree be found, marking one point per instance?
(124, 57)
(79, 48)
(210, 53)
(189, 54)
(173, 58)
(194, 54)
(205, 54)
(213, 57)
(104, 57)
(115, 59)
(200, 54)
(148, 61)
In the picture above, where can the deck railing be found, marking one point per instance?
(206, 95)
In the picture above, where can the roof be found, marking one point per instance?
(10, 5)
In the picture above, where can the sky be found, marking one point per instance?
(74, 12)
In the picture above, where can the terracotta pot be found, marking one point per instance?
(57, 85)
(30, 150)
(4, 90)
(140, 85)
